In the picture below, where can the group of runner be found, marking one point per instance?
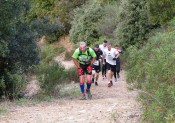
(89, 62)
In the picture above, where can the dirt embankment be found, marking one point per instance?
(64, 42)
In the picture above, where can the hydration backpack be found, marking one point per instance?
(80, 52)
(88, 55)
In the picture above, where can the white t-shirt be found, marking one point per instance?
(102, 48)
(110, 55)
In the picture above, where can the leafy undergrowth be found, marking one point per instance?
(3, 110)
(152, 70)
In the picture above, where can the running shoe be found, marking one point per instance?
(111, 83)
(83, 97)
(115, 79)
(118, 76)
(96, 83)
(92, 80)
(89, 94)
(103, 77)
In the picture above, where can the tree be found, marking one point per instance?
(65, 9)
(106, 1)
(17, 46)
(52, 29)
(52, 9)
(161, 11)
(108, 23)
(84, 23)
(134, 24)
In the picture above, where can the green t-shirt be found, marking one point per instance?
(83, 57)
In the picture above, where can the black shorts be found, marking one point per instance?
(84, 67)
(111, 67)
(96, 68)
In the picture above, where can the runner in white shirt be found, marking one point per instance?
(111, 55)
(103, 47)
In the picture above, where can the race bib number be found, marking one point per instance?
(96, 63)
(84, 59)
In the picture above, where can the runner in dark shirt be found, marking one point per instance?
(96, 65)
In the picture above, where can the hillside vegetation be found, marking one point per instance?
(143, 28)
(152, 68)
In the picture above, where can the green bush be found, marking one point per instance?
(50, 73)
(50, 77)
(73, 74)
(18, 49)
(160, 11)
(49, 52)
(108, 23)
(152, 68)
(11, 85)
(133, 25)
(51, 28)
(53, 76)
(3, 110)
(84, 23)
(51, 9)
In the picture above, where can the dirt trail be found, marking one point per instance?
(109, 105)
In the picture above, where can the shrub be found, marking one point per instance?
(51, 28)
(133, 25)
(51, 9)
(50, 76)
(49, 52)
(152, 67)
(161, 11)
(11, 85)
(84, 23)
(108, 23)
(72, 74)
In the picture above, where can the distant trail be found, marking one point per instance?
(64, 42)
(109, 105)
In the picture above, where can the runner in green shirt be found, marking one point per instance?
(83, 58)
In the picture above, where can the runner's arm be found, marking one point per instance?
(117, 55)
(76, 62)
(75, 57)
(92, 61)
